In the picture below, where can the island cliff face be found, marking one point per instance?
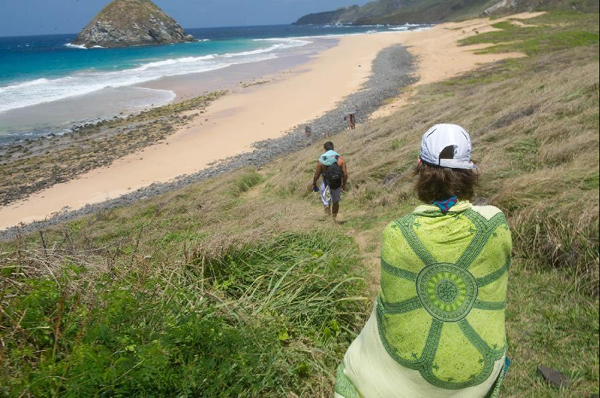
(124, 23)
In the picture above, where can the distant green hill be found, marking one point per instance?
(430, 11)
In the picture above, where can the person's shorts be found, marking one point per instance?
(328, 195)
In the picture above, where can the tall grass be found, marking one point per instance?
(263, 320)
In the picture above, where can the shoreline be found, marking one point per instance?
(60, 116)
(48, 161)
(239, 75)
(434, 64)
(376, 91)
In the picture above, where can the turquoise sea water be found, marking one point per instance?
(37, 70)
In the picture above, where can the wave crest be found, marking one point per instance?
(85, 82)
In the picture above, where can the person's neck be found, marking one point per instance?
(446, 204)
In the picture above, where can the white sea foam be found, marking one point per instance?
(47, 90)
(386, 29)
(80, 46)
(409, 26)
(77, 46)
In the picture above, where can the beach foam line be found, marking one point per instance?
(396, 29)
(44, 90)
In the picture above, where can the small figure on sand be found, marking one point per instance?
(332, 167)
(308, 132)
(351, 118)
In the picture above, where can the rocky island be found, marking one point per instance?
(124, 23)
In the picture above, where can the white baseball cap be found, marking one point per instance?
(441, 136)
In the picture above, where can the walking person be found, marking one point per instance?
(351, 118)
(438, 326)
(332, 167)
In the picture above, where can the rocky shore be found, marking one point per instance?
(392, 69)
(33, 165)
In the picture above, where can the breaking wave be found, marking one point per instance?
(85, 82)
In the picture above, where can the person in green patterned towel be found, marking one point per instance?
(437, 329)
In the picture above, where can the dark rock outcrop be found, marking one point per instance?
(124, 23)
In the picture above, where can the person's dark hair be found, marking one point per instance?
(328, 146)
(440, 183)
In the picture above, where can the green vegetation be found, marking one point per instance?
(547, 33)
(256, 294)
(435, 11)
(401, 11)
(246, 181)
(256, 321)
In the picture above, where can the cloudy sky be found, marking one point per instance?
(36, 17)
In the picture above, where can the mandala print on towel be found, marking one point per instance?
(442, 331)
(446, 291)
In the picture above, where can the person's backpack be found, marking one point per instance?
(333, 176)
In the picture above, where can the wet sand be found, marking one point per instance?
(236, 76)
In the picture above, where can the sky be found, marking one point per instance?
(39, 17)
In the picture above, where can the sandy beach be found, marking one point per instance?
(266, 111)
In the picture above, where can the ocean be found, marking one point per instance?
(42, 74)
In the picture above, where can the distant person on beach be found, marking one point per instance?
(308, 132)
(335, 176)
(351, 120)
(438, 326)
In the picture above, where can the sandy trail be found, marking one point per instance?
(234, 122)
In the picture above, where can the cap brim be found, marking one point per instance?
(456, 164)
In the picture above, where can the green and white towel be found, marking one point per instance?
(438, 328)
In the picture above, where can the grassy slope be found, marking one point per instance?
(428, 11)
(402, 11)
(434, 11)
(239, 285)
(452, 10)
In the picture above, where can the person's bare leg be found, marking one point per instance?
(334, 210)
(327, 210)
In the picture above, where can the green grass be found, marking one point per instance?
(548, 33)
(544, 312)
(261, 320)
(525, 153)
(592, 182)
(246, 181)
